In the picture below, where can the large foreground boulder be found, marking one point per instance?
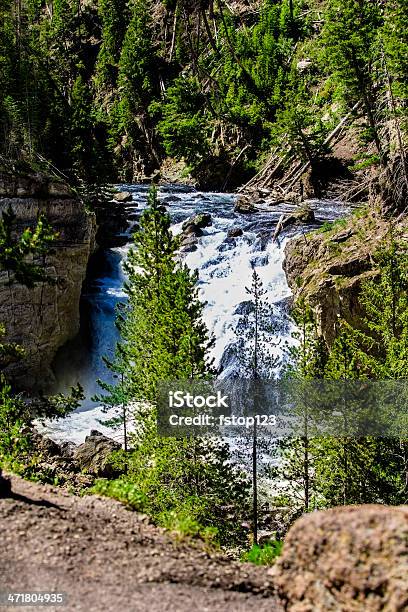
(94, 455)
(346, 559)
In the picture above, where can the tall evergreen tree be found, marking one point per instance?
(347, 468)
(164, 338)
(349, 41)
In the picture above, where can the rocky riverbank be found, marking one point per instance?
(327, 267)
(75, 467)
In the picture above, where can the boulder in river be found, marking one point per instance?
(192, 230)
(346, 558)
(123, 196)
(244, 206)
(171, 199)
(189, 244)
(199, 221)
(234, 232)
(94, 455)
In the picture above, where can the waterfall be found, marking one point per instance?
(224, 266)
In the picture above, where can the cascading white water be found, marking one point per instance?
(224, 266)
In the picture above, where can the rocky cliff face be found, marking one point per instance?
(327, 267)
(42, 319)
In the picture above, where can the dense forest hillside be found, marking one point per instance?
(220, 88)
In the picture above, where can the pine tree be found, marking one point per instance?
(349, 46)
(136, 82)
(297, 453)
(164, 338)
(114, 16)
(257, 363)
(14, 250)
(359, 468)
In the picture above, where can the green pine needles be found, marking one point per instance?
(184, 482)
(330, 471)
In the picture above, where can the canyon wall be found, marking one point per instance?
(42, 319)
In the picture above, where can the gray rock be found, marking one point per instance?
(68, 449)
(244, 206)
(200, 221)
(193, 230)
(46, 446)
(123, 196)
(59, 190)
(189, 244)
(44, 318)
(234, 232)
(94, 455)
(303, 215)
(346, 558)
(169, 199)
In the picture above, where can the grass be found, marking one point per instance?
(181, 522)
(126, 492)
(263, 555)
(183, 525)
(328, 226)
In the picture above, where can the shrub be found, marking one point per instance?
(121, 490)
(263, 555)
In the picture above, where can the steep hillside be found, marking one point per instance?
(216, 90)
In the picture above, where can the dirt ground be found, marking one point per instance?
(107, 558)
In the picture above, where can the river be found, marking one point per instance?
(224, 266)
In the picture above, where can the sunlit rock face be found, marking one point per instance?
(328, 268)
(42, 319)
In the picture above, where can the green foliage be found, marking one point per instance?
(263, 555)
(349, 47)
(122, 490)
(386, 305)
(190, 482)
(15, 251)
(329, 226)
(184, 127)
(199, 85)
(114, 16)
(330, 471)
(182, 523)
(14, 435)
